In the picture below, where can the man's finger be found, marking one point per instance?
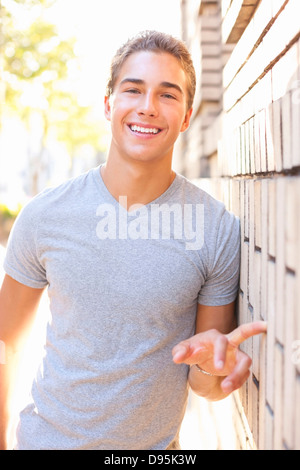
(220, 352)
(243, 332)
(181, 352)
(239, 374)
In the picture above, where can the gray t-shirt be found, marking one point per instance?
(123, 289)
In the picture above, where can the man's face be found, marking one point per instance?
(147, 109)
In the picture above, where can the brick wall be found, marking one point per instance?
(244, 148)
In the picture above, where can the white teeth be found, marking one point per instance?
(144, 130)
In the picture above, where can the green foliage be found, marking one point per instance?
(39, 68)
(29, 54)
(35, 2)
(7, 213)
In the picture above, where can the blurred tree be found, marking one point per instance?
(38, 70)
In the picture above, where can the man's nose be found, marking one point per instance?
(148, 105)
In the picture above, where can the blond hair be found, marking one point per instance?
(153, 41)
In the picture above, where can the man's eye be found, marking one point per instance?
(132, 90)
(167, 95)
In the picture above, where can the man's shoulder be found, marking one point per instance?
(215, 211)
(63, 191)
(194, 192)
(55, 201)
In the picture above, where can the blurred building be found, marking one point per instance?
(244, 148)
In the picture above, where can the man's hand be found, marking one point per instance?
(219, 354)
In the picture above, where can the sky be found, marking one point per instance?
(102, 26)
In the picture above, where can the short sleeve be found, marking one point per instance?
(22, 261)
(222, 281)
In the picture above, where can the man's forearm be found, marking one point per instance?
(8, 375)
(18, 306)
(206, 386)
(5, 407)
(4, 429)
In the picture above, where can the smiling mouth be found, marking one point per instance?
(144, 130)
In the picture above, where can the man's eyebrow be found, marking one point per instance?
(138, 81)
(171, 85)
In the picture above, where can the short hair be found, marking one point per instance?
(154, 41)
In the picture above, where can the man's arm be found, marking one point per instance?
(18, 305)
(214, 348)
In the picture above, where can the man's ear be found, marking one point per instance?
(186, 121)
(107, 108)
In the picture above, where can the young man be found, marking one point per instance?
(142, 271)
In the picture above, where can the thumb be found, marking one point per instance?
(181, 352)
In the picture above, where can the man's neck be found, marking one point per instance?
(140, 182)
